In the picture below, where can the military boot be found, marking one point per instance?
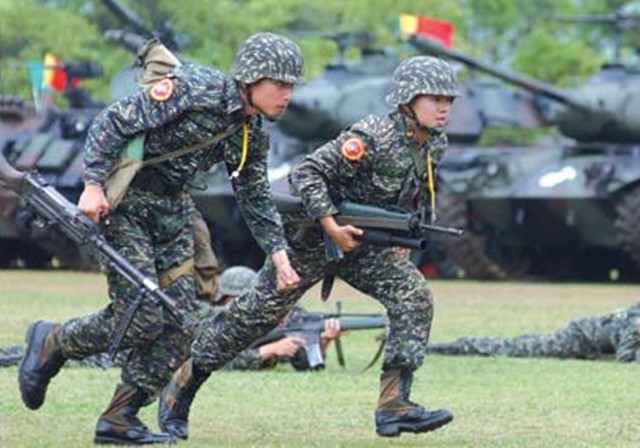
(397, 414)
(120, 425)
(176, 397)
(42, 360)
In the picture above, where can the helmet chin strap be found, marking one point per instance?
(244, 88)
(408, 111)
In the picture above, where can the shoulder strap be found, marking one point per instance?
(193, 148)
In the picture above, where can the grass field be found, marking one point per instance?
(497, 402)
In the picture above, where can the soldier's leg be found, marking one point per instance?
(149, 367)
(400, 287)
(222, 337)
(50, 345)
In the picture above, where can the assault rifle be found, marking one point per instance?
(54, 209)
(380, 227)
(309, 325)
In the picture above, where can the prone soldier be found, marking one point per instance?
(387, 161)
(593, 337)
(202, 108)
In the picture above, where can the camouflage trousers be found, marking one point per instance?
(378, 272)
(155, 235)
(586, 338)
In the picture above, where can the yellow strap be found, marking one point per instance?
(245, 146)
(432, 189)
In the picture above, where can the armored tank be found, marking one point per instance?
(50, 141)
(563, 209)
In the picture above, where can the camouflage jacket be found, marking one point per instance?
(622, 330)
(202, 103)
(390, 171)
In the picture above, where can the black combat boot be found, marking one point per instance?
(397, 414)
(120, 425)
(176, 397)
(42, 360)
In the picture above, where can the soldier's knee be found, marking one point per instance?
(147, 325)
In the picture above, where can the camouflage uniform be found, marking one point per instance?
(12, 354)
(152, 226)
(376, 162)
(586, 338)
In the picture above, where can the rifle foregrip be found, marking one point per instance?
(382, 238)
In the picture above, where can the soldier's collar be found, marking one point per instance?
(232, 97)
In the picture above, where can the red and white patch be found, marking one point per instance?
(162, 90)
(352, 149)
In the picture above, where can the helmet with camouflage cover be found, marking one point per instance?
(422, 75)
(236, 281)
(268, 55)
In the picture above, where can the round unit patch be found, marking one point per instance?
(352, 149)
(162, 90)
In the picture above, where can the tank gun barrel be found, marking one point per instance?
(127, 16)
(131, 41)
(433, 47)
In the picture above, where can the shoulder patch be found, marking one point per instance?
(352, 149)
(162, 90)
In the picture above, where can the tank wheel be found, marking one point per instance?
(481, 256)
(626, 223)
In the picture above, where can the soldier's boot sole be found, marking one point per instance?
(396, 428)
(106, 440)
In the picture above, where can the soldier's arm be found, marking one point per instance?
(330, 166)
(249, 359)
(128, 118)
(253, 191)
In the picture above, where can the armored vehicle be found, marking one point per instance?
(565, 209)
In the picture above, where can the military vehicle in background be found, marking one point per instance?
(566, 209)
(52, 142)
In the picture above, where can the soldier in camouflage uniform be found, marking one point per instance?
(387, 161)
(238, 280)
(616, 334)
(152, 226)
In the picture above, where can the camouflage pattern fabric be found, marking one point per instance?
(586, 338)
(203, 104)
(385, 176)
(207, 267)
(154, 234)
(11, 355)
(422, 75)
(268, 55)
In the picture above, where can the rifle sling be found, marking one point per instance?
(193, 148)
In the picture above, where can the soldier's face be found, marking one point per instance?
(432, 110)
(270, 96)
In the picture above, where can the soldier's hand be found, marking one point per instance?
(287, 346)
(287, 277)
(93, 203)
(331, 329)
(345, 237)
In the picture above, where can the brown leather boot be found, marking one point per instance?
(176, 397)
(120, 425)
(397, 414)
(42, 360)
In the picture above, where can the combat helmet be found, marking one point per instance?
(236, 281)
(422, 75)
(268, 55)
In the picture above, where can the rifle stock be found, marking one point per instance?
(56, 210)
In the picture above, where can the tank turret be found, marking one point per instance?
(603, 109)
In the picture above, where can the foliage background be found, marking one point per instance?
(516, 34)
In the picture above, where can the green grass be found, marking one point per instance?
(497, 402)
